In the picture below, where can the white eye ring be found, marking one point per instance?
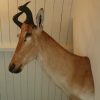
(28, 38)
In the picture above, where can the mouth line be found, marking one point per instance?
(16, 70)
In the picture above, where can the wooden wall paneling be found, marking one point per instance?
(39, 4)
(58, 94)
(65, 20)
(12, 26)
(56, 19)
(24, 83)
(38, 82)
(17, 86)
(64, 97)
(0, 31)
(9, 76)
(52, 90)
(4, 22)
(31, 70)
(48, 16)
(45, 86)
(70, 36)
(3, 88)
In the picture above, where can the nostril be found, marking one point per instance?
(11, 67)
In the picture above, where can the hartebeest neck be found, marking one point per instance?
(66, 69)
(54, 58)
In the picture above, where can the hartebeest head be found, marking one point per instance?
(27, 38)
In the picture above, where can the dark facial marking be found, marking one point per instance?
(27, 35)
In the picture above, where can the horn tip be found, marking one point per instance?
(22, 6)
(27, 3)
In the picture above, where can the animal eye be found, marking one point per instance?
(27, 36)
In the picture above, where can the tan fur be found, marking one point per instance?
(70, 72)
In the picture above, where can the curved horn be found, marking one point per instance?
(15, 19)
(28, 12)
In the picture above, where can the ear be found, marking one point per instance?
(40, 18)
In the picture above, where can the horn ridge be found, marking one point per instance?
(15, 19)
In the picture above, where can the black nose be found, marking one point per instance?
(13, 69)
